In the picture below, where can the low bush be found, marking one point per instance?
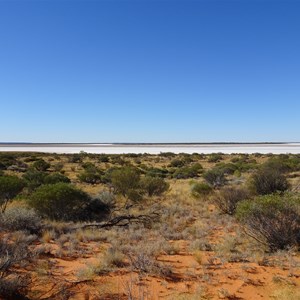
(157, 172)
(58, 166)
(21, 218)
(177, 163)
(268, 180)
(89, 176)
(103, 158)
(75, 158)
(272, 219)
(188, 172)
(34, 179)
(215, 177)
(56, 178)
(167, 154)
(283, 163)
(7, 159)
(14, 249)
(154, 186)
(228, 198)
(215, 157)
(201, 189)
(228, 168)
(41, 165)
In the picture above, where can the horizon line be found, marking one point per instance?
(138, 143)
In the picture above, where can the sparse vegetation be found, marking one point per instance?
(154, 217)
(273, 219)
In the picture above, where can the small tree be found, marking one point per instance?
(272, 219)
(125, 180)
(10, 187)
(60, 201)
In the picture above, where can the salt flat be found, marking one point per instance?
(281, 148)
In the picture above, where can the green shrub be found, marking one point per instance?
(157, 172)
(41, 165)
(103, 158)
(88, 166)
(117, 159)
(55, 178)
(10, 187)
(7, 159)
(31, 158)
(268, 180)
(60, 201)
(227, 169)
(75, 158)
(283, 163)
(90, 177)
(201, 189)
(91, 174)
(167, 154)
(215, 177)
(154, 186)
(177, 163)
(34, 179)
(272, 219)
(215, 157)
(188, 172)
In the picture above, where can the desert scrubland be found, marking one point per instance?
(149, 226)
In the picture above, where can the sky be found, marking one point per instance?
(149, 71)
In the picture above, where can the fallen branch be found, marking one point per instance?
(121, 221)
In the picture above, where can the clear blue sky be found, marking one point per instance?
(149, 71)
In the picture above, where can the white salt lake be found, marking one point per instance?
(293, 148)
